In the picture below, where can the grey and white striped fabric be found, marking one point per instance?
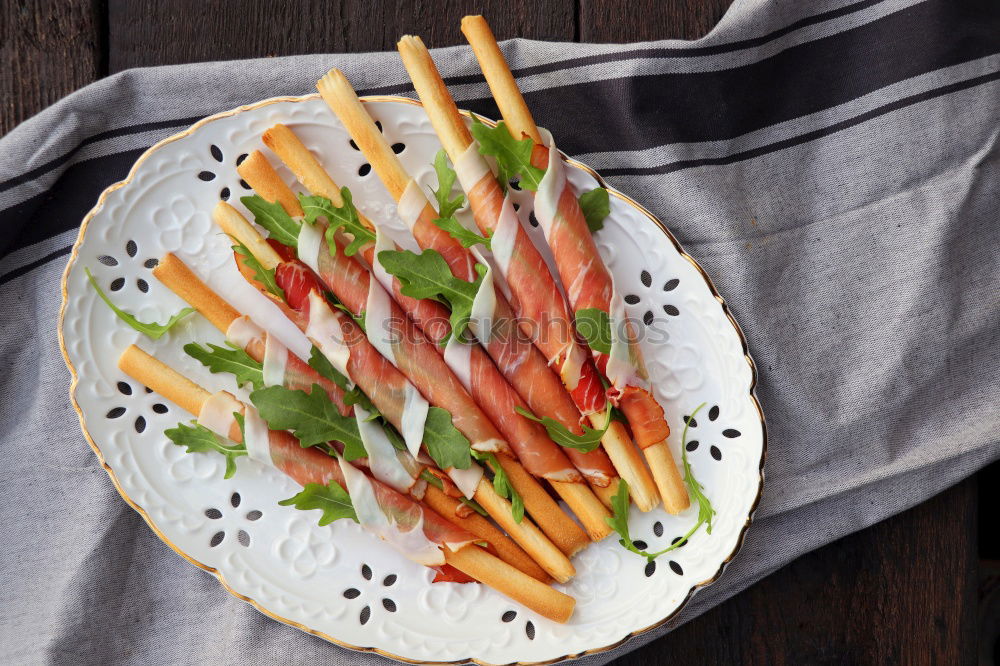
(833, 165)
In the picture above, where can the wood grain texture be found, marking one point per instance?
(644, 20)
(47, 50)
(155, 33)
(900, 592)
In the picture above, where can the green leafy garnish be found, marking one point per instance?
(331, 499)
(437, 483)
(199, 439)
(356, 397)
(154, 330)
(448, 206)
(563, 436)
(322, 365)
(620, 505)
(513, 156)
(466, 237)
(502, 485)
(427, 275)
(228, 359)
(263, 275)
(345, 217)
(280, 226)
(312, 417)
(594, 325)
(596, 206)
(446, 445)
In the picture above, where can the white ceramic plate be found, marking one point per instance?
(336, 581)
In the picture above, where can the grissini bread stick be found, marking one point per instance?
(308, 465)
(581, 269)
(516, 358)
(490, 389)
(538, 297)
(386, 385)
(299, 375)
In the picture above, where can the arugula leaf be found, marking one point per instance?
(618, 521)
(513, 156)
(705, 510)
(312, 417)
(331, 499)
(503, 486)
(464, 236)
(228, 359)
(596, 206)
(199, 439)
(345, 217)
(447, 206)
(563, 436)
(356, 397)
(594, 325)
(437, 483)
(263, 275)
(446, 445)
(322, 365)
(427, 275)
(153, 331)
(280, 226)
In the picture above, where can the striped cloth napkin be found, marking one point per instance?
(833, 165)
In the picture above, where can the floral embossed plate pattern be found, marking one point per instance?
(336, 581)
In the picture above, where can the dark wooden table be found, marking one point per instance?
(903, 591)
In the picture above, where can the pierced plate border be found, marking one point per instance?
(219, 576)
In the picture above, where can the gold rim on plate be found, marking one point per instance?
(212, 570)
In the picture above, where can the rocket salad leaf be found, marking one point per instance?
(331, 499)
(427, 275)
(153, 331)
(343, 217)
(228, 359)
(199, 439)
(620, 506)
(312, 417)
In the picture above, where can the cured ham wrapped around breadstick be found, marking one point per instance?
(345, 344)
(415, 530)
(544, 313)
(298, 375)
(589, 284)
(487, 385)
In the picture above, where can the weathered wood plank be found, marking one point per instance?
(644, 20)
(48, 50)
(156, 33)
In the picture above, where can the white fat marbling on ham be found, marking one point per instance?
(310, 243)
(471, 167)
(411, 204)
(504, 237)
(625, 366)
(256, 437)
(383, 460)
(414, 418)
(484, 304)
(458, 356)
(466, 480)
(217, 413)
(275, 361)
(413, 544)
(550, 189)
(242, 332)
(324, 331)
(378, 321)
